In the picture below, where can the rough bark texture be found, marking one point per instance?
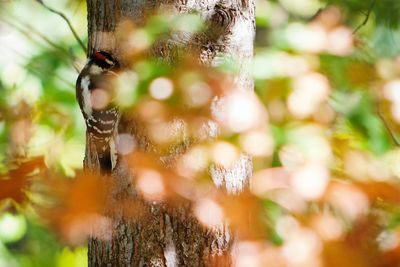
(161, 234)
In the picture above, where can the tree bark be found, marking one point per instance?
(160, 234)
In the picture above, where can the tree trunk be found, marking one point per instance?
(161, 234)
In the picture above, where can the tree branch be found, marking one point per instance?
(366, 16)
(62, 15)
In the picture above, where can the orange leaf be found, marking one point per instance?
(12, 185)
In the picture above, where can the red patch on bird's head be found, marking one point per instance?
(99, 56)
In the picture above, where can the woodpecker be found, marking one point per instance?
(95, 90)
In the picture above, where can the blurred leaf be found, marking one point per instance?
(12, 184)
(386, 42)
(381, 191)
(273, 213)
(359, 109)
(387, 12)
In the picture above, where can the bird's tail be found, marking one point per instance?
(105, 154)
(105, 161)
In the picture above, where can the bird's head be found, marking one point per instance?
(104, 60)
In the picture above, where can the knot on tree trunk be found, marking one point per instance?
(222, 21)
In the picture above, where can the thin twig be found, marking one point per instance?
(37, 69)
(43, 37)
(62, 15)
(366, 17)
(384, 121)
(388, 129)
(28, 30)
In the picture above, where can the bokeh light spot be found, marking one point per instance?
(161, 88)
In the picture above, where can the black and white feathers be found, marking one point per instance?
(95, 92)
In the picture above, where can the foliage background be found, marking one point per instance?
(333, 105)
